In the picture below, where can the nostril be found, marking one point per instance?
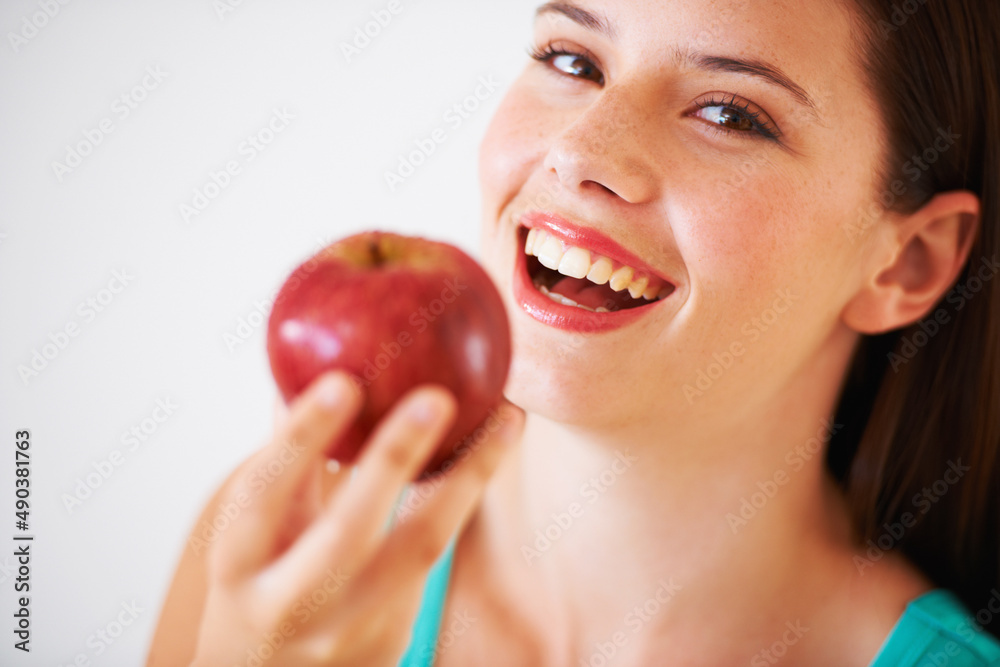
(601, 186)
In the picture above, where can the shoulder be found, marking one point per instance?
(921, 625)
(937, 629)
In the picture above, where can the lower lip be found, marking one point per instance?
(567, 318)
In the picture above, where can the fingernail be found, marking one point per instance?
(423, 409)
(333, 390)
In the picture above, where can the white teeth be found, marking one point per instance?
(602, 309)
(638, 286)
(566, 301)
(575, 263)
(539, 240)
(536, 244)
(621, 278)
(550, 253)
(601, 270)
(563, 300)
(529, 245)
(580, 263)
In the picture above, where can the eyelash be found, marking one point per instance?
(763, 128)
(546, 53)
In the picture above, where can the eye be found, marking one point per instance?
(738, 117)
(579, 65)
(728, 117)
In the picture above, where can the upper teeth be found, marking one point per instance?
(581, 263)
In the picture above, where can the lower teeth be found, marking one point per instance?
(566, 301)
(559, 298)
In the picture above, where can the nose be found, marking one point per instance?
(606, 148)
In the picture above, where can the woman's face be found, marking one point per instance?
(725, 149)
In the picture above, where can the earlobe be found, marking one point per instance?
(930, 247)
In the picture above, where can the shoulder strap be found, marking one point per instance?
(422, 650)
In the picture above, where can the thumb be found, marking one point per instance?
(279, 414)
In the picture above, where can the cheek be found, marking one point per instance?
(739, 231)
(510, 150)
(749, 236)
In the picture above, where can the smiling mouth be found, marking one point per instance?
(578, 277)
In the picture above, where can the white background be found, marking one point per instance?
(162, 336)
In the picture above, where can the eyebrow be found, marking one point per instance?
(751, 67)
(591, 21)
(711, 63)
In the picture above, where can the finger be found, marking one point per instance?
(446, 502)
(352, 524)
(279, 415)
(266, 487)
(396, 576)
(304, 505)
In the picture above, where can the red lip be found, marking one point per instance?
(590, 239)
(571, 318)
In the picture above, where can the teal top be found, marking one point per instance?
(421, 652)
(934, 630)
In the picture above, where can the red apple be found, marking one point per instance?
(394, 312)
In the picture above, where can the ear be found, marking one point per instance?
(925, 253)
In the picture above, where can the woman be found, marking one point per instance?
(779, 443)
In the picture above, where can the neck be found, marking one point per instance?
(601, 529)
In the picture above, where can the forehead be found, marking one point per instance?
(810, 40)
(801, 21)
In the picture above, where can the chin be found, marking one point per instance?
(554, 375)
(539, 388)
(554, 369)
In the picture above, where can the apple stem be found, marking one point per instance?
(377, 258)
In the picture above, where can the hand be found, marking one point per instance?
(298, 580)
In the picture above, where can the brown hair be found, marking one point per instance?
(918, 454)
